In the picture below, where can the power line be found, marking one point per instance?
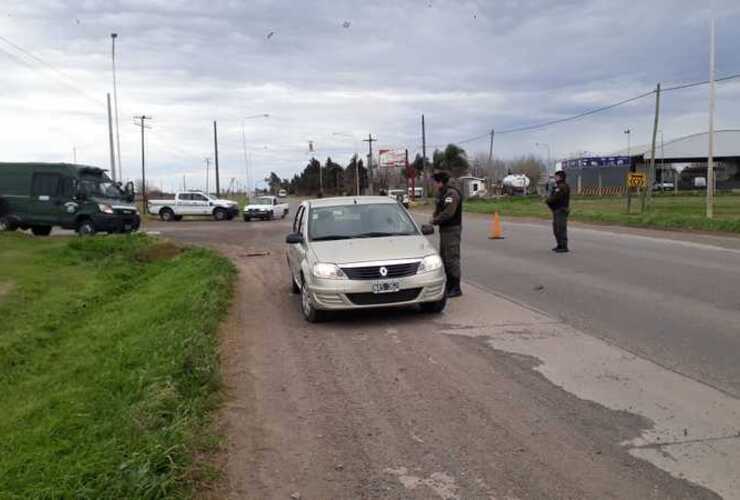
(537, 126)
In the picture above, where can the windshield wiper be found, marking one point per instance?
(380, 234)
(330, 237)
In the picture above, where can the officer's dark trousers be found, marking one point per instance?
(560, 226)
(449, 250)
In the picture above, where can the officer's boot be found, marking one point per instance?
(454, 288)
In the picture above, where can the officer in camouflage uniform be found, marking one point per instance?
(448, 216)
(559, 203)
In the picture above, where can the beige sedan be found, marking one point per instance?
(362, 252)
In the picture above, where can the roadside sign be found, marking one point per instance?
(637, 180)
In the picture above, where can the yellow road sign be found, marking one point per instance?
(637, 180)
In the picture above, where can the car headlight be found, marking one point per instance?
(106, 209)
(326, 271)
(430, 263)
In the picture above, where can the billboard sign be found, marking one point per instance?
(597, 161)
(392, 157)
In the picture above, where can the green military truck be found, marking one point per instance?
(39, 196)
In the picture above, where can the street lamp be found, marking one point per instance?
(628, 133)
(549, 155)
(113, 37)
(244, 145)
(357, 158)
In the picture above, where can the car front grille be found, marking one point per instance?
(373, 272)
(373, 299)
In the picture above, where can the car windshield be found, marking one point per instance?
(102, 188)
(263, 201)
(359, 221)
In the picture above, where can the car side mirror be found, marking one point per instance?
(427, 229)
(294, 239)
(130, 193)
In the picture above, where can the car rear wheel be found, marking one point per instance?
(41, 230)
(310, 312)
(167, 215)
(434, 307)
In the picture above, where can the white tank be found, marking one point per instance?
(516, 183)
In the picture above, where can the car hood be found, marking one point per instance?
(258, 207)
(117, 204)
(372, 249)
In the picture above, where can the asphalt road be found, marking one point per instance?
(668, 297)
(511, 393)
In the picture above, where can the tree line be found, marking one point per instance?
(341, 180)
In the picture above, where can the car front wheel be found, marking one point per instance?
(310, 312)
(434, 307)
(219, 214)
(86, 228)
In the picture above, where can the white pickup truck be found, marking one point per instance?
(193, 203)
(265, 208)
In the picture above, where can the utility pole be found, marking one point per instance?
(208, 164)
(142, 120)
(74, 155)
(215, 148)
(110, 142)
(710, 156)
(424, 154)
(490, 154)
(628, 133)
(113, 37)
(651, 174)
(370, 141)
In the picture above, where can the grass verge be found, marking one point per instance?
(669, 212)
(108, 365)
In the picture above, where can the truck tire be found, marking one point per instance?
(219, 214)
(7, 224)
(41, 230)
(167, 215)
(86, 227)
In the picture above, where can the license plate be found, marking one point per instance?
(386, 286)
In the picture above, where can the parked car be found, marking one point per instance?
(39, 196)
(195, 203)
(663, 186)
(400, 195)
(282, 193)
(265, 208)
(357, 253)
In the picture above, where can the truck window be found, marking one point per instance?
(199, 197)
(45, 184)
(185, 196)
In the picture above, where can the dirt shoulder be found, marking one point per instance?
(390, 405)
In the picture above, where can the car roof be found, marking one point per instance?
(341, 201)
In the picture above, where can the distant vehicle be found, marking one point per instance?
(196, 203)
(663, 186)
(265, 208)
(700, 182)
(364, 252)
(282, 193)
(400, 195)
(516, 184)
(39, 196)
(418, 192)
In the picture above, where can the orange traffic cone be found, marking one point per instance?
(495, 233)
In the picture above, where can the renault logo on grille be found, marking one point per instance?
(383, 271)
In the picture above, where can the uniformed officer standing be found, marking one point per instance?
(448, 216)
(559, 203)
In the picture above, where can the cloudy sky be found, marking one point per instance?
(334, 71)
